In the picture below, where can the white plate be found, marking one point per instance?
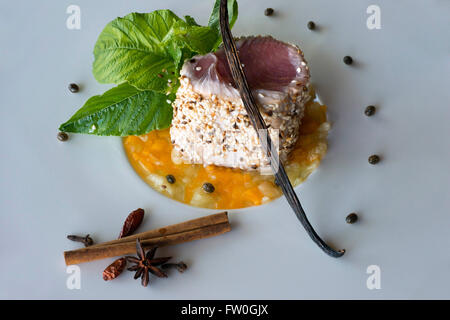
(50, 189)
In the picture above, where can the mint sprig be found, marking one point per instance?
(143, 53)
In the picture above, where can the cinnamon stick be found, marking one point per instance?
(195, 229)
(212, 219)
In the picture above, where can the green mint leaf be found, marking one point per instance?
(136, 48)
(198, 39)
(214, 19)
(190, 21)
(122, 111)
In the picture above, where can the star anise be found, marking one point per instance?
(146, 263)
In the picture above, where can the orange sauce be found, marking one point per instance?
(150, 156)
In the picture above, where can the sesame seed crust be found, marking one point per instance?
(210, 130)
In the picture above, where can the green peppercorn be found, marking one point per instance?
(62, 136)
(311, 25)
(351, 218)
(374, 159)
(370, 111)
(208, 187)
(348, 60)
(170, 179)
(73, 87)
(268, 12)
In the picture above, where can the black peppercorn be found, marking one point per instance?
(268, 12)
(62, 136)
(208, 187)
(73, 87)
(351, 218)
(374, 159)
(348, 60)
(311, 25)
(170, 179)
(370, 111)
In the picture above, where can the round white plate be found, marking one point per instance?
(50, 189)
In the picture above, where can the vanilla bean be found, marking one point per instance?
(260, 127)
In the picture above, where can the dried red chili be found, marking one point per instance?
(114, 269)
(132, 222)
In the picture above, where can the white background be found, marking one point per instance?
(50, 189)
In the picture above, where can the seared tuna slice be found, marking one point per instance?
(210, 125)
